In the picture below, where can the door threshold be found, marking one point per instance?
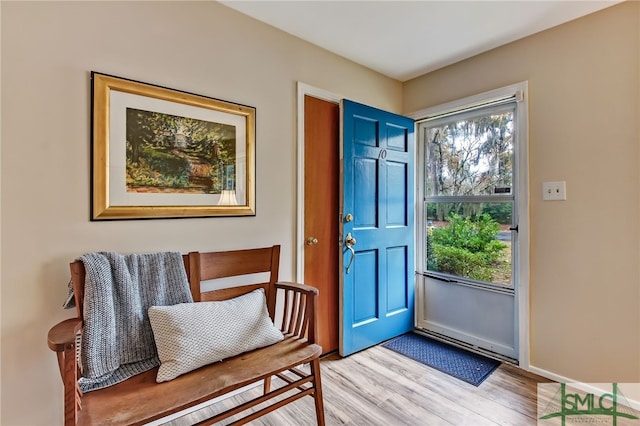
(466, 346)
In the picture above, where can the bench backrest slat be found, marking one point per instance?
(212, 265)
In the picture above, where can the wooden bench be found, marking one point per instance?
(140, 400)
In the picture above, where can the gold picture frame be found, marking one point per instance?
(163, 153)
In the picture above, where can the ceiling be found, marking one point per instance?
(405, 39)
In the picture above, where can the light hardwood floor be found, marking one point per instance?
(380, 387)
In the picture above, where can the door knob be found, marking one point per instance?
(312, 241)
(349, 240)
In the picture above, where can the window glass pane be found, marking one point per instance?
(470, 154)
(470, 240)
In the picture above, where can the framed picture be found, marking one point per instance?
(163, 153)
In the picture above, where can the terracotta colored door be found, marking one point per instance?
(321, 194)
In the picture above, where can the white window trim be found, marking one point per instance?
(520, 92)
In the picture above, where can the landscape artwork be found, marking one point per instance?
(171, 154)
(164, 153)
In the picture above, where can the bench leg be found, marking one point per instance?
(317, 395)
(70, 379)
(267, 385)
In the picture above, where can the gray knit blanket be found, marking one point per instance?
(117, 339)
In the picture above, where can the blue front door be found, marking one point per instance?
(377, 284)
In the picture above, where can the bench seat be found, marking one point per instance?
(141, 392)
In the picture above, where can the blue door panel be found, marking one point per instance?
(366, 131)
(397, 285)
(365, 192)
(378, 191)
(365, 302)
(397, 137)
(396, 206)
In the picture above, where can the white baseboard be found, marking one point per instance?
(549, 375)
(586, 387)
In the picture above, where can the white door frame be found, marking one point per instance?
(520, 91)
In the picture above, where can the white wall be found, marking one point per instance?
(48, 50)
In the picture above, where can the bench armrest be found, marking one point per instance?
(299, 310)
(63, 334)
(297, 287)
(62, 340)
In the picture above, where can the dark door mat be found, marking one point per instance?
(459, 363)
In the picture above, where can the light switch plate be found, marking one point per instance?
(554, 191)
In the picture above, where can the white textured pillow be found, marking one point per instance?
(191, 335)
